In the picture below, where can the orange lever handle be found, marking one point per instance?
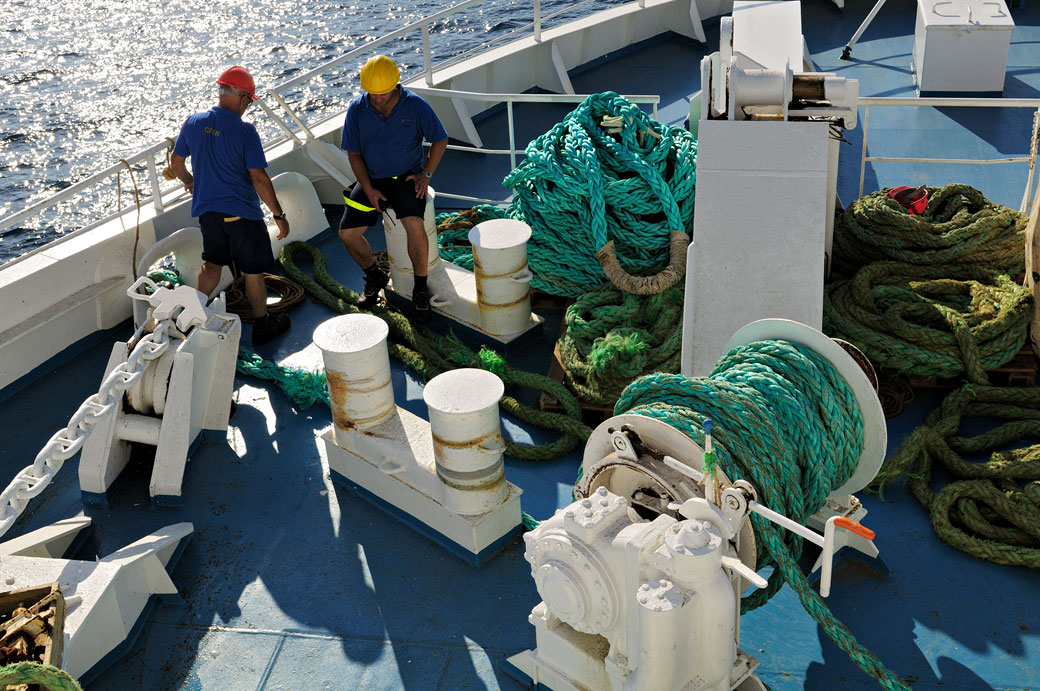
(854, 527)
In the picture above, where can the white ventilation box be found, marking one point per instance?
(962, 45)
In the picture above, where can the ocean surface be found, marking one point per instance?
(84, 83)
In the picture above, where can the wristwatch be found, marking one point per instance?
(279, 217)
(428, 173)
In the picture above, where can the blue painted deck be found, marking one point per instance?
(291, 582)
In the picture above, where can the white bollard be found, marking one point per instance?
(503, 279)
(357, 368)
(467, 440)
(401, 272)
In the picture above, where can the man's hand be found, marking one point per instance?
(181, 171)
(283, 228)
(422, 183)
(374, 197)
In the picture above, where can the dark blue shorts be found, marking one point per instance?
(400, 195)
(227, 238)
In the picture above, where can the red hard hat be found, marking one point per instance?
(239, 78)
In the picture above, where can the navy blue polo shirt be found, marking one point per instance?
(391, 145)
(222, 148)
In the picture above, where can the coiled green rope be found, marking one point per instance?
(47, 677)
(588, 180)
(453, 232)
(428, 355)
(614, 337)
(959, 228)
(992, 510)
(786, 421)
(930, 320)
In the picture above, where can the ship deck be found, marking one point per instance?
(293, 582)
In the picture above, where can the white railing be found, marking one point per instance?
(147, 156)
(868, 102)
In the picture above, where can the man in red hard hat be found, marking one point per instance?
(230, 179)
(383, 137)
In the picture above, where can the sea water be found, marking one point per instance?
(84, 83)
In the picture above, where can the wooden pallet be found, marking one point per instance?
(591, 413)
(1019, 371)
(545, 301)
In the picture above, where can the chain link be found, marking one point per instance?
(65, 443)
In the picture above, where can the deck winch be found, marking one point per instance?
(641, 578)
(181, 386)
(446, 477)
(494, 299)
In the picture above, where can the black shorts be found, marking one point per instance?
(400, 196)
(227, 238)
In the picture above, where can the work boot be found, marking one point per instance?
(375, 280)
(275, 325)
(421, 304)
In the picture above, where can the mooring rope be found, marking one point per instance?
(958, 228)
(990, 509)
(786, 421)
(612, 338)
(606, 172)
(47, 677)
(930, 320)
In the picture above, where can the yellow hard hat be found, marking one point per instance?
(380, 75)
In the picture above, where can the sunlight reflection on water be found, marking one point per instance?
(84, 83)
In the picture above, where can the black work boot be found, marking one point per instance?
(421, 304)
(266, 329)
(375, 280)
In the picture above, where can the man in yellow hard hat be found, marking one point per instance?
(230, 179)
(383, 137)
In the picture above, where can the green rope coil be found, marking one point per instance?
(786, 421)
(47, 677)
(428, 355)
(992, 509)
(611, 338)
(918, 320)
(453, 232)
(959, 228)
(607, 171)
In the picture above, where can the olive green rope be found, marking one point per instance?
(428, 355)
(992, 509)
(959, 227)
(942, 320)
(611, 338)
(786, 421)
(607, 171)
(48, 677)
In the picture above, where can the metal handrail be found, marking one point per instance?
(868, 101)
(509, 100)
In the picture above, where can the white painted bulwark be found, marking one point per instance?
(962, 45)
(761, 185)
(357, 370)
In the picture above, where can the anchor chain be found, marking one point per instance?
(65, 443)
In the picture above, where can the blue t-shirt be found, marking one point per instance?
(391, 145)
(222, 148)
